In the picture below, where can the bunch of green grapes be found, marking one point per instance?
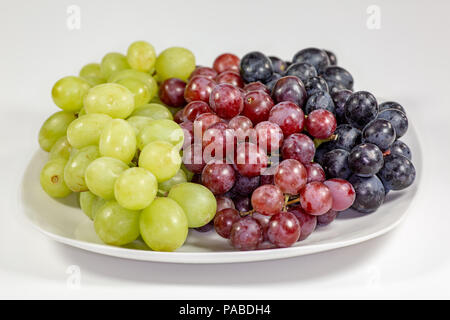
(116, 144)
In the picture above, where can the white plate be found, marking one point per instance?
(63, 221)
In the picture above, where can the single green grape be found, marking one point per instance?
(87, 199)
(118, 140)
(163, 225)
(112, 99)
(61, 149)
(113, 62)
(68, 93)
(160, 158)
(175, 62)
(180, 177)
(138, 88)
(96, 205)
(92, 73)
(144, 77)
(153, 110)
(101, 175)
(52, 178)
(139, 122)
(54, 128)
(161, 130)
(135, 188)
(86, 130)
(198, 203)
(74, 172)
(141, 56)
(189, 174)
(116, 225)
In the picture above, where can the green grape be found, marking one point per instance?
(82, 112)
(161, 130)
(141, 56)
(113, 62)
(92, 73)
(118, 140)
(74, 172)
(153, 110)
(138, 88)
(144, 77)
(135, 188)
(86, 130)
(101, 175)
(163, 225)
(180, 177)
(52, 178)
(139, 122)
(87, 200)
(189, 174)
(175, 62)
(160, 158)
(61, 149)
(54, 128)
(198, 203)
(68, 93)
(112, 99)
(96, 205)
(116, 225)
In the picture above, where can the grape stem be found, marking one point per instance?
(246, 213)
(293, 201)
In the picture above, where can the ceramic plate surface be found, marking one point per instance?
(63, 221)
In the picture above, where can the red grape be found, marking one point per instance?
(242, 127)
(224, 220)
(188, 130)
(194, 109)
(257, 106)
(227, 62)
(263, 221)
(298, 146)
(315, 198)
(199, 88)
(256, 86)
(171, 92)
(291, 176)
(224, 203)
(217, 141)
(250, 159)
(327, 218)
(203, 122)
(245, 185)
(230, 77)
(269, 136)
(315, 172)
(204, 71)
(218, 177)
(289, 88)
(226, 100)
(342, 192)
(284, 229)
(267, 179)
(178, 117)
(307, 222)
(267, 199)
(193, 158)
(321, 123)
(246, 234)
(288, 116)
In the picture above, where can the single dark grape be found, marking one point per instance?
(320, 100)
(267, 179)
(337, 77)
(400, 148)
(340, 97)
(301, 70)
(255, 66)
(242, 203)
(398, 120)
(380, 132)
(326, 218)
(335, 164)
(332, 57)
(314, 85)
(245, 185)
(365, 160)
(361, 108)
(347, 137)
(289, 89)
(392, 105)
(322, 149)
(314, 56)
(370, 193)
(397, 173)
(279, 66)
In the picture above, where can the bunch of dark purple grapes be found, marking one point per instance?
(286, 146)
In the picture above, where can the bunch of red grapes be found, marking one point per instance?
(248, 140)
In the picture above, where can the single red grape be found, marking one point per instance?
(268, 199)
(224, 220)
(284, 229)
(250, 159)
(194, 109)
(246, 234)
(224, 203)
(342, 192)
(288, 116)
(289, 88)
(321, 123)
(199, 88)
(204, 71)
(298, 146)
(257, 106)
(226, 100)
(315, 198)
(193, 158)
(315, 172)
(269, 136)
(256, 86)
(218, 177)
(242, 127)
(291, 176)
(307, 222)
(230, 77)
(218, 141)
(327, 218)
(203, 122)
(178, 117)
(171, 92)
(188, 131)
(227, 62)
(263, 221)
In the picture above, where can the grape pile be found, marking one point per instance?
(259, 149)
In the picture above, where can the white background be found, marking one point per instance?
(407, 60)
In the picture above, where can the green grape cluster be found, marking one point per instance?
(115, 143)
